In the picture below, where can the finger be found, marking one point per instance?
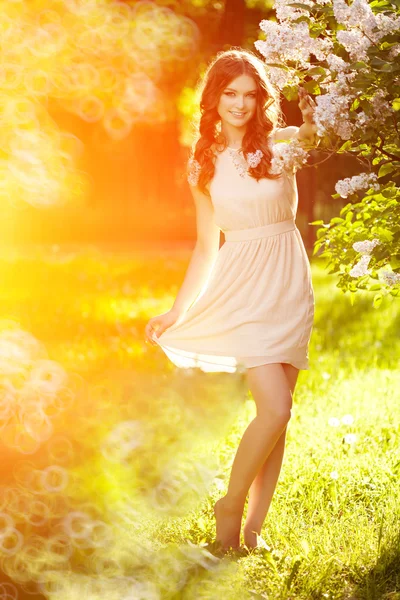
(149, 327)
(308, 110)
(148, 332)
(154, 337)
(303, 103)
(305, 97)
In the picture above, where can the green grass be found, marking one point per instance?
(147, 448)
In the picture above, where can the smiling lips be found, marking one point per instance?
(237, 114)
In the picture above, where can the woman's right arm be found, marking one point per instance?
(204, 253)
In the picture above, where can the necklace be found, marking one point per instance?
(239, 162)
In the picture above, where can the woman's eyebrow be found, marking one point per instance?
(233, 90)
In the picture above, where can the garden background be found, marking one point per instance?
(111, 458)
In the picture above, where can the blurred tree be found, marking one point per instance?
(231, 27)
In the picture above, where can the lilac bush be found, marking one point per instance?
(347, 56)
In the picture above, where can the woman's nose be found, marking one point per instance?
(239, 102)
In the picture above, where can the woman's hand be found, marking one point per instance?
(308, 130)
(307, 106)
(159, 324)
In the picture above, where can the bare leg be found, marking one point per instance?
(271, 392)
(263, 486)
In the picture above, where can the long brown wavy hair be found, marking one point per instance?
(226, 66)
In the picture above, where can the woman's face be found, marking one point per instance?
(238, 100)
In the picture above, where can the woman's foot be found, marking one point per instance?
(229, 521)
(250, 536)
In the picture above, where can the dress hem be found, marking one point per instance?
(188, 359)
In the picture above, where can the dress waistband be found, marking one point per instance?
(253, 233)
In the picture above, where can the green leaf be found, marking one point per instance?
(396, 104)
(374, 287)
(301, 5)
(386, 168)
(320, 222)
(312, 87)
(333, 270)
(377, 300)
(349, 216)
(384, 233)
(359, 64)
(335, 220)
(389, 192)
(279, 65)
(317, 246)
(381, 4)
(316, 71)
(385, 68)
(395, 262)
(320, 233)
(345, 208)
(290, 93)
(345, 146)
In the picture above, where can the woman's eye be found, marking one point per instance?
(232, 93)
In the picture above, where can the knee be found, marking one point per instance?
(280, 413)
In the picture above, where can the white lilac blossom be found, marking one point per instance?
(341, 11)
(365, 247)
(381, 107)
(349, 185)
(360, 16)
(332, 114)
(254, 158)
(355, 43)
(287, 42)
(360, 268)
(341, 85)
(288, 13)
(381, 110)
(282, 78)
(363, 119)
(321, 48)
(394, 51)
(336, 63)
(290, 40)
(194, 169)
(287, 156)
(386, 24)
(334, 422)
(390, 277)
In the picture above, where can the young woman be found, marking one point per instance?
(250, 303)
